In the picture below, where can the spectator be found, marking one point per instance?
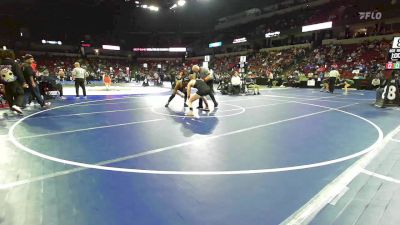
(30, 78)
(13, 80)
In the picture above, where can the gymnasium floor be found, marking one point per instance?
(126, 159)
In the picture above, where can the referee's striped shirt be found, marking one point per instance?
(79, 72)
(334, 73)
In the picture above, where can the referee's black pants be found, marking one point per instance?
(80, 82)
(332, 81)
(210, 83)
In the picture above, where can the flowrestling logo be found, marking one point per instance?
(370, 15)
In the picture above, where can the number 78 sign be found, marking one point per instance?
(396, 42)
(391, 93)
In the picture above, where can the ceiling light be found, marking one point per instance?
(153, 8)
(181, 2)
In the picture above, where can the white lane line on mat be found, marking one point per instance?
(380, 176)
(89, 128)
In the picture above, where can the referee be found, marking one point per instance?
(333, 75)
(78, 75)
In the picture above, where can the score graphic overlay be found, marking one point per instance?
(389, 94)
(394, 55)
